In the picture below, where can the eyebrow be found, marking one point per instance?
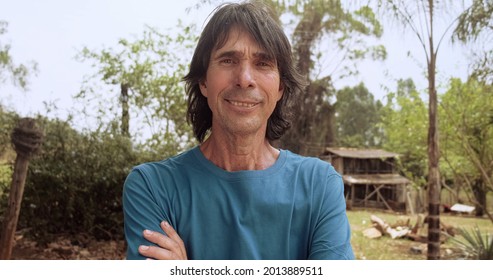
(233, 53)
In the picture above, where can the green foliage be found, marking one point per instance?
(405, 123)
(467, 126)
(466, 136)
(476, 245)
(466, 111)
(151, 67)
(340, 27)
(7, 122)
(357, 114)
(5, 177)
(475, 25)
(18, 73)
(75, 185)
(476, 19)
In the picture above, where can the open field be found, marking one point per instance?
(385, 248)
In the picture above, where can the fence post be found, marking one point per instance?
(26, 139)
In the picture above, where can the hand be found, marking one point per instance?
(169, 247)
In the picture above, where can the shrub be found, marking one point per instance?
(75, 184)
(476, 245)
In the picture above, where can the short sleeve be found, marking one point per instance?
(140, 210)
(332, 234)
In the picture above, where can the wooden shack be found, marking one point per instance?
(370, 177)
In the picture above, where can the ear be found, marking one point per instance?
(203, 88)
(281, 91)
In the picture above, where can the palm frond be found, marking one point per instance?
(475, 245)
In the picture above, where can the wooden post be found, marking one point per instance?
(26, 139)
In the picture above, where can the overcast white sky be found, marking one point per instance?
(51, 31)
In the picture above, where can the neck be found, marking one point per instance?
(237, 153)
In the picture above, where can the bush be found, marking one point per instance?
(5, 177)
(8, 120)
(75, 184)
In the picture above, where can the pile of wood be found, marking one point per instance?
(403, 229)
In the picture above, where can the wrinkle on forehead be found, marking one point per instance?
(236, 31)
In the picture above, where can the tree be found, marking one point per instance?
(320, 26)
(420, 16)
(148, 76)
(467, 113)
(18, 73)
(357, 116)
(476, 25)
(404, 123)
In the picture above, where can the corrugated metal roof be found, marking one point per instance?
(360, 153)
(375, 179)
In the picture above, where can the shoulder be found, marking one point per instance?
(310, 165)
(172, 164)
(316, 176)
(154, 174)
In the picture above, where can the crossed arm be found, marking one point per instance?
(170, 247)
(141, 212)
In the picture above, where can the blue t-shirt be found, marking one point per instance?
(294, 209)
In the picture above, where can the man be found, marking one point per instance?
(236, 196)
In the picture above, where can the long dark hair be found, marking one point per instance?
(255, 19)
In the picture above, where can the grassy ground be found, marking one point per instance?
(385, 248)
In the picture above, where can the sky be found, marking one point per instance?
(51, 32)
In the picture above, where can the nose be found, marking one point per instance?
(245, 76)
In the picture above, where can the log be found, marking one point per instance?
(417, 237)
(380, 224)
(383, 227)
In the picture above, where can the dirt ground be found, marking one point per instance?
(68, 248)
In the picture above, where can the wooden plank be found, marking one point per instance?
(372, 193)
(384, 202)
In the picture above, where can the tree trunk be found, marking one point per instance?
(480, 195)
(330, 134)
(125, 129)
(304, 40)
(433, 154)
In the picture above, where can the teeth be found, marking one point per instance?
(242, 104)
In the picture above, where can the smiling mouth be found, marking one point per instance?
(242, 104)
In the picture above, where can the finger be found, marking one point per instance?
(160, 239)
(173, 235)
(173, 249)
(157, 253)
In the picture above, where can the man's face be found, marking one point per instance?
(242, 86)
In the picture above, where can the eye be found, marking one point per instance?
(265, 64)
(226, 61)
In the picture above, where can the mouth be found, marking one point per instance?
(242, 104)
